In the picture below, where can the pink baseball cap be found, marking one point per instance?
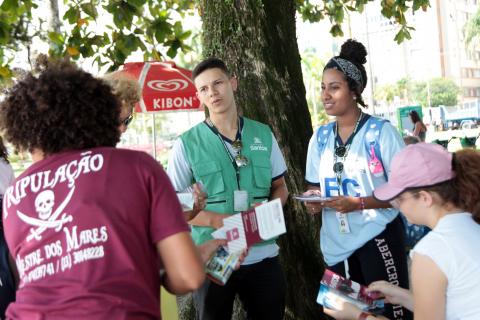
(418, 165)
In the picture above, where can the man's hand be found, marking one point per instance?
(199, 199)
(208, 248)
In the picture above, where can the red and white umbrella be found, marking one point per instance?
(165, 87)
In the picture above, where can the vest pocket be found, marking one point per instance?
(262, 173)
(210, 174)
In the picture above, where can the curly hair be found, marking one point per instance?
(63, 108)
(124, 86)
(3, 151)
(356, 53)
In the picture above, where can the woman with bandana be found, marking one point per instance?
(361, 237)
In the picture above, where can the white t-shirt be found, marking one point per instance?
(357, 181)
(6, 175)
(454, 247)
(181, 176)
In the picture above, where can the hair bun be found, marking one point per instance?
(353, 51)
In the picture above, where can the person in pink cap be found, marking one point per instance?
(438, 189)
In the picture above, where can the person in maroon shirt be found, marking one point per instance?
(89, 226)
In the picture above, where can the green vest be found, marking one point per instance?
(212, 166)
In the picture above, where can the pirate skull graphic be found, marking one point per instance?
(44, 204)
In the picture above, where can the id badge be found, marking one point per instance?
(240, 200)
(343, 223)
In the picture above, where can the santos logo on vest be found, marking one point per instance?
(257, 145)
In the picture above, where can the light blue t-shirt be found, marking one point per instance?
(357, 181)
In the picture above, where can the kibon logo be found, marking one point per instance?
(168, 85)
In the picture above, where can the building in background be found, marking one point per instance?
(437, 47)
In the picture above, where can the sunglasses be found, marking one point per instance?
(240, 160)
(340, 152)
(127, 120)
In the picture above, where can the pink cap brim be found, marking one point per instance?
(387, 192)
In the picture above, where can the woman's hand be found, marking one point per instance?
(392, 293)
(343, 204)
(344, 311)
(313, 207)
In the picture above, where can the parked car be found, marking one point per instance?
(468, 124)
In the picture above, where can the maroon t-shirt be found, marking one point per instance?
(82, 227)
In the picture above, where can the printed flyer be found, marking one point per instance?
(243, 230)
(335, 288)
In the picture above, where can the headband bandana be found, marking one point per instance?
(348, 68)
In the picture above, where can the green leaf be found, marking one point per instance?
(4, 33)
(9, 5)
(339, 14)
(360, 5)
(72, 15)
(137, 3)
(89, 9)
(399, 37)
(336, 31)
(56, 38)
(185, 35)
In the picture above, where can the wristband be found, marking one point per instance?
(364, 315)
(362, 203)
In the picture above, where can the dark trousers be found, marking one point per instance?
(261, 288)
(382, 258)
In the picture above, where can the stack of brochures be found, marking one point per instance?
(335, 288)
(243, 230)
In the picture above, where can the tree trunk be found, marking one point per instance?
(257, 40)
(54, 19)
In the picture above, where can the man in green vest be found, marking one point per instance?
(239, 163)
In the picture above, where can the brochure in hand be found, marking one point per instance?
(242, 230)
(311, 197)
(220, 267)
(186, 200)
(335, 288)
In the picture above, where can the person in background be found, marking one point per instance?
(240, 164)
(443, 195)
(7, 265)
(126, 88)
(419, 128)
(361, 238)
(89, 225)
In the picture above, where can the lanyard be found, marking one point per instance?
(230, 156)
(338, 175)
